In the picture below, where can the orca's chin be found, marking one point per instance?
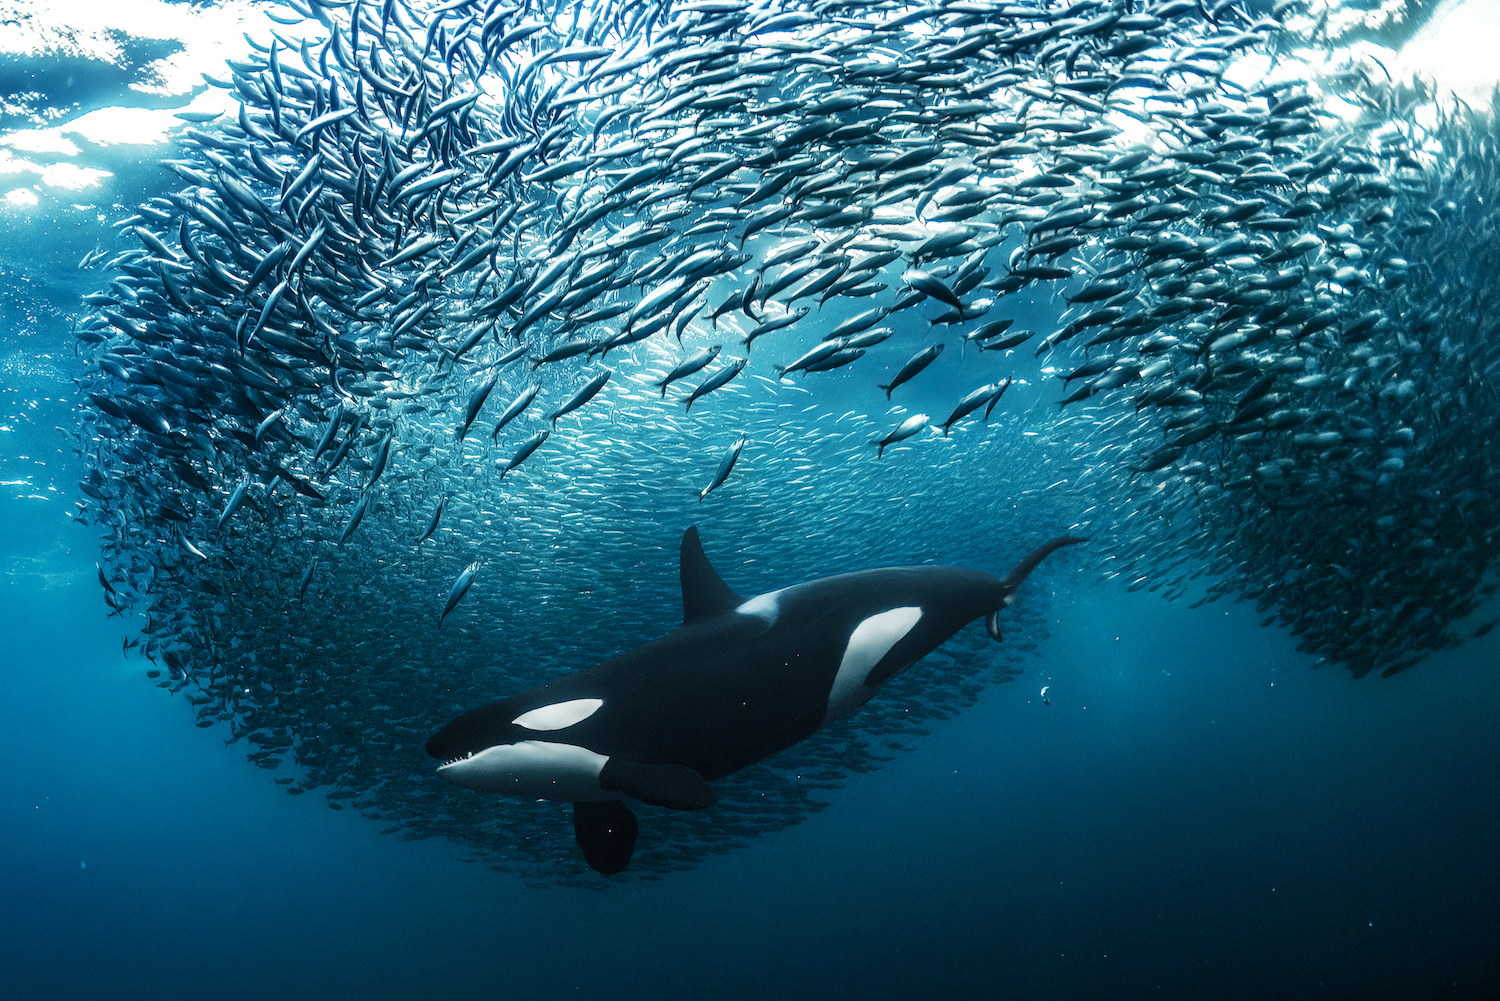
(531, 769)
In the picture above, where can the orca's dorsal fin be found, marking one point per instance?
(704, 593)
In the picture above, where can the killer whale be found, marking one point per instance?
(738, 681)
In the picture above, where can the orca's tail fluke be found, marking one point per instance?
(1013, 580)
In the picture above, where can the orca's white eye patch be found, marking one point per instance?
(559, 715)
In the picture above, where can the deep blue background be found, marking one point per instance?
(1197, 813)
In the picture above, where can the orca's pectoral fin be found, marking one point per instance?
(676, 787)
(606, 832)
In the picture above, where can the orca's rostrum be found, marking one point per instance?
(740, 680)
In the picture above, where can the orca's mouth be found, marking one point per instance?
(453, 761)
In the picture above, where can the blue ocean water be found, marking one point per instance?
(1193, 811)
(1197, 813)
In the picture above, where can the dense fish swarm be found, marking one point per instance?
(471, 308)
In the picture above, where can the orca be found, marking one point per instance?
(738, 681)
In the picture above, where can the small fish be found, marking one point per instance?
(307, 576)
(970, 403)
(908, 427)
(382, 455)
(475, 404)
(725, 465)
(689, 365)
(266, 425)
(514, 409)
(716, 380)
(1007, 341)
(235, 500)
(460, 588)
(433, 524)
(587, 393)
(523, 453)
(914, 365)
(356, 517)
(996, 398)
(933, 286)
(325, 442)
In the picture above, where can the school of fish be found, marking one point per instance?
(472, 306)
